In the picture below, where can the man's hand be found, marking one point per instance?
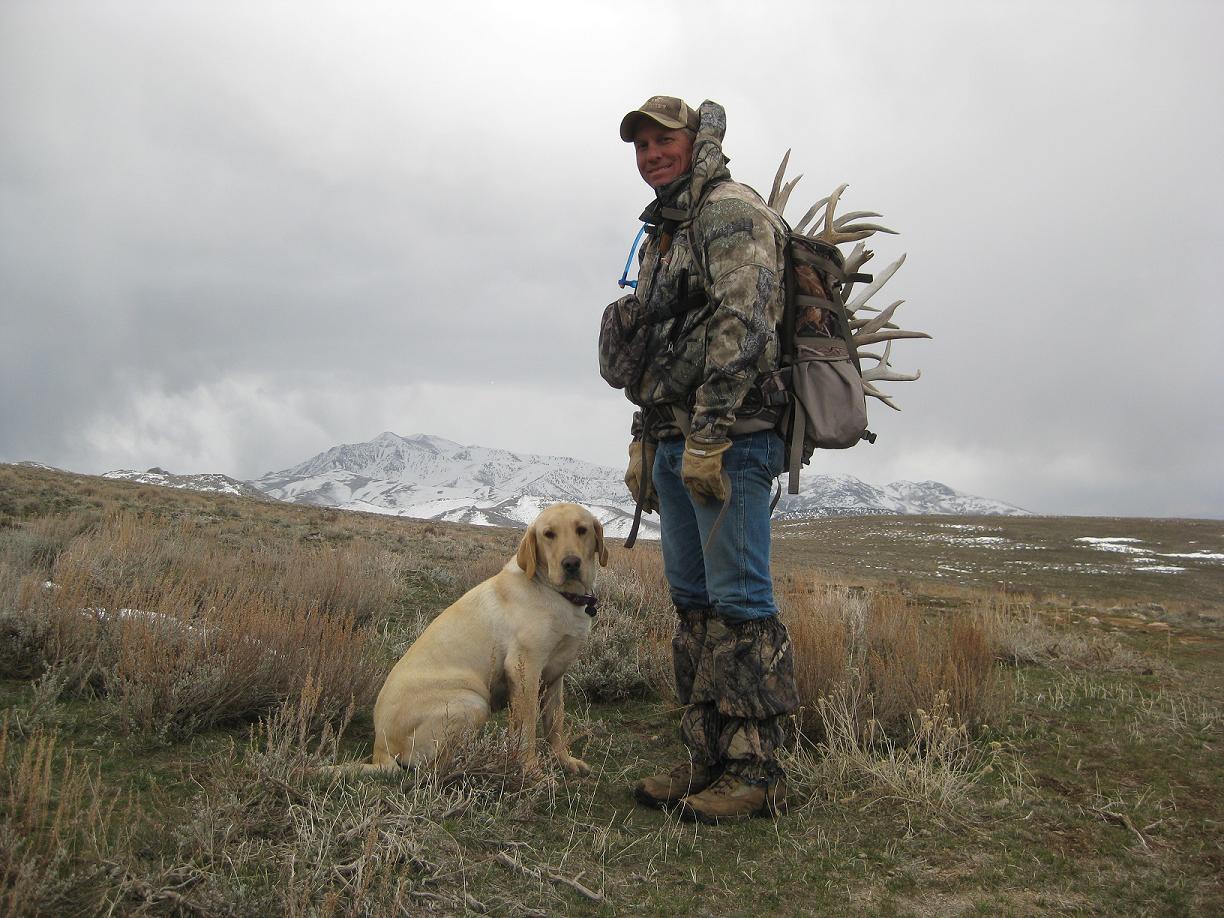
(702, 467)
(641, 462)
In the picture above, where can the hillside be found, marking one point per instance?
(190, 657)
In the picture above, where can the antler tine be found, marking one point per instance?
(858, 257)
(829, 209)
(883, 370)
(812, 212)
(854, 232)
(887, 374)
(869, 389)
(854, 215)
(777, 182)
(785, 193)
(888, 335)
(872, 325)
(871, 289)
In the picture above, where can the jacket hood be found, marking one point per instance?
(709, 166)
(709, 161)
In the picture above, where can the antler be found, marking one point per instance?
(821, 222)
(779, 194)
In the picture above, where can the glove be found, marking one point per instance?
(641, 459)
(702, 467)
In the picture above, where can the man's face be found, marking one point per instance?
(663, 155)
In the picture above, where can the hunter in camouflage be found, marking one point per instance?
(722, 274)
(690, 349)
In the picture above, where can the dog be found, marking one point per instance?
(501, 642)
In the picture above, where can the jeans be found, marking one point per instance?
(732, 577)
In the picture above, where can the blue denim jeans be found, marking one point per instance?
(732, 578)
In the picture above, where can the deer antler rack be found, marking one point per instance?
(822, 222)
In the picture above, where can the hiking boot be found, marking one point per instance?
(732, 797)
(664, 790)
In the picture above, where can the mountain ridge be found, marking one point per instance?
(430, 477)
(425, 476)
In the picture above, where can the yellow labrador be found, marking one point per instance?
(499, 643)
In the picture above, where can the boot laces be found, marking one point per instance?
(730, 783)
(686, 773)
(724, 786)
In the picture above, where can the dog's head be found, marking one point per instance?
(564, 542)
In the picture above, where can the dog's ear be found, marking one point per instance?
(527, 552)
(600, 547)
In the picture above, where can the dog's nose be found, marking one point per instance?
(571, 564)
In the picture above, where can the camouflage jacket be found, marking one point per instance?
(714, 301)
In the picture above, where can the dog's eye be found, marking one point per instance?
(581, 530)
(549, 534)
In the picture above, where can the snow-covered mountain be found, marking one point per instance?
(429, 477)
(845, 495)
(211, 482)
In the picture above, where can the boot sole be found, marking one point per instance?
(648, 800)
(653, 803)
(690, 814)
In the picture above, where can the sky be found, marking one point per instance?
(233, 235)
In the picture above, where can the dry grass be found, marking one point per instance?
(1019, 636)
(931, 775)
(179, 635)
(53, 823)
(897, 660)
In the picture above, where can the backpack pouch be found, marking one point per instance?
(622, 343)
(828, 391)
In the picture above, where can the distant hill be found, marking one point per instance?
(211, 482)
(430, 477)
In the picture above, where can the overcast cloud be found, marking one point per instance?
(233, 235)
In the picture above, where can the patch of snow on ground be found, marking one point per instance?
(1119, 545)
(1159, 569)
(1097, 541)
(1199, 555)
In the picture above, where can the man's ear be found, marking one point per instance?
(527, 552)
(600, 547)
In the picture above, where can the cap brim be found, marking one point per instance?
(629, 124)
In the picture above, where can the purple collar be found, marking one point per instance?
(579, 600)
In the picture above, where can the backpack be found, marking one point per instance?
(820, 378)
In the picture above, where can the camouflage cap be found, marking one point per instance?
(667, 111)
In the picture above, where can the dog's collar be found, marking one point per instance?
(580, 600)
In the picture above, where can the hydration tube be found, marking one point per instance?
(624, 278)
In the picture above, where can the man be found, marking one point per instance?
(705, 453)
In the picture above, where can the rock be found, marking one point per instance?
(1158, 626)
(1092, 620)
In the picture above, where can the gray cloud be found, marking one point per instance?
(233, 236)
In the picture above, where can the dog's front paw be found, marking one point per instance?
(573, 766)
